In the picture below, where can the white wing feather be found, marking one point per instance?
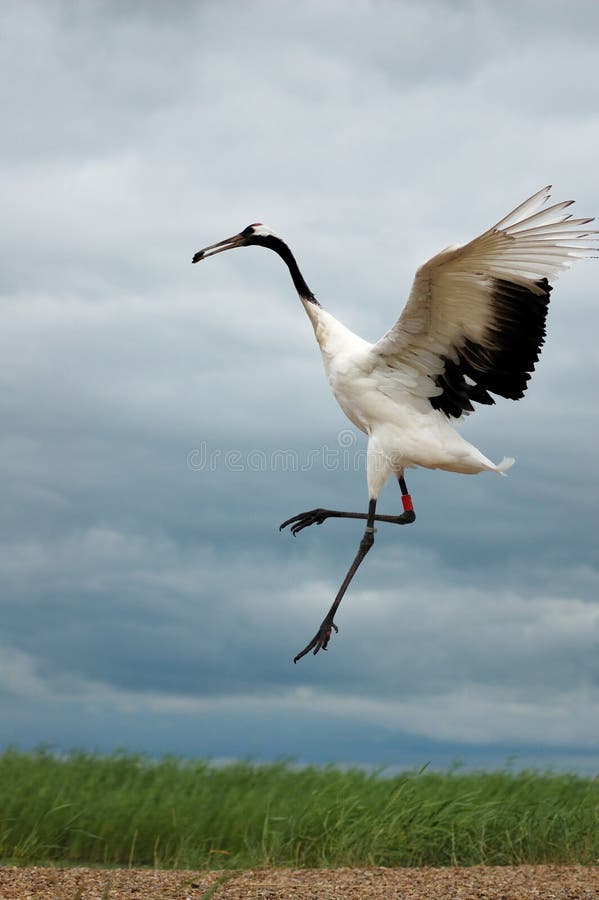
(474, 320)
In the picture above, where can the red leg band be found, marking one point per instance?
(407, 503)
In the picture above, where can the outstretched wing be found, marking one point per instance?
(474, 323)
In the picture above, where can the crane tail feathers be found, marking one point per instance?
(506, 463)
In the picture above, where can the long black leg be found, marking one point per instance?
(323, 635)
(408, 506)
(317, 516)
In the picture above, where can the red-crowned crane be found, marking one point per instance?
(473, 326)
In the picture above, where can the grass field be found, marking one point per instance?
(128, 810)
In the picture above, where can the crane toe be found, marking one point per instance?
(320, 640)
(304, 520)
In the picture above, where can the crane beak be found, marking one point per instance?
(228, 244)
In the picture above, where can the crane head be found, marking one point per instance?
(257, 233)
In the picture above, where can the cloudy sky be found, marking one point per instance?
(159, 420)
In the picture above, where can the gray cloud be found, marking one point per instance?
(370, 138)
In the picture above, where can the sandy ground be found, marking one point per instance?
(475, 883)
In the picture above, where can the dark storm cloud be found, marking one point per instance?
(160, 420)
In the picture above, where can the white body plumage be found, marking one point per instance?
(403, 428)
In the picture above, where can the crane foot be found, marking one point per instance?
(320, 640)
(305, 519)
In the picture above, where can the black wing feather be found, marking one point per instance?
(516, 334)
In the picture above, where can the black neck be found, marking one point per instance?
(280, 247)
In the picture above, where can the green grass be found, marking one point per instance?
(128, 810)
